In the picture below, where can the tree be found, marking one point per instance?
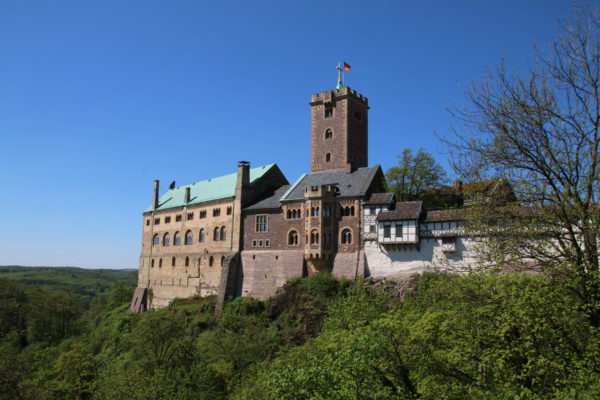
(414, 175)
(541, 132)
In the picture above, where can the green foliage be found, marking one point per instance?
(415, 176)
(479, 336)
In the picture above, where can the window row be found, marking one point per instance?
(387, 230)
(218, 234)
(190, 216)
(294, 214)
(314, 238)
(261, 243)
(186, 263)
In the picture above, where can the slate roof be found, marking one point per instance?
(456, 214)
(270, 200)
(402, 210)
(351, 184)
(208, 190)
(380, 198)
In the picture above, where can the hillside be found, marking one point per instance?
(479, 336)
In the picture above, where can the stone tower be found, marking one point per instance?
(339, 130)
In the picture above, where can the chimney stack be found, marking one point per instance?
(187, 194)
(155, 200)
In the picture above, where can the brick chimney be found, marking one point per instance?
(155, 199)
(187, 194)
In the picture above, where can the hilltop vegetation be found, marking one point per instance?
(85, 283)
(482, 336)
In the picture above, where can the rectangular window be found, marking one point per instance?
(373, 210)
(190, 216)
(228, 210)
(387, 231)
(167, 220)
(156, 221)
(372, 228)
(260, 243)
(216, 212)
(178, 218)
(254, 243)
(328, 111)
(203, 214)
(398, 230)
(261, 223)
(267, 243)
(147, 222)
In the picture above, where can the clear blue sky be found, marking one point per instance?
(99, 98)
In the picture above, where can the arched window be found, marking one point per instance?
(211, 261)
(223, 233)
(293, 238)
(327, 157)
(156, 240)
(352, 211)
(189, 238)
(346, 237)
(201, 236)
(160, 263)
(314, 237)
(187, 261)
(152, 263)
(176, 239)
(328, 133)
(290, 214)
(173, 262)
(216, 234)
(166, 239)
(222, 260)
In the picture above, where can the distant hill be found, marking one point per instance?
(82, 282)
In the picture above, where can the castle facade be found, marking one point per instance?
(247, 233)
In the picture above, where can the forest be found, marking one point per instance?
(484, 335)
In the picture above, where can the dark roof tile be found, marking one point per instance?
(403, 210)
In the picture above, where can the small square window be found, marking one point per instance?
(190, 216)
(156, 221)
(178, 218)
(203, 214)
(372, 228)
(228, 210)
(167, 220)
(216, 212)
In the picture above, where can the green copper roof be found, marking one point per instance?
(207, 190)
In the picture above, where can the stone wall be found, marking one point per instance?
(263, 272)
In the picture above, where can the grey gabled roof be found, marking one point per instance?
(350, 184)
(404, 210)
(380, 198)
(269, 200)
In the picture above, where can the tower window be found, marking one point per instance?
(327, 157)
(293, 238)
(328, 133)
(346, 236)
(328, 111)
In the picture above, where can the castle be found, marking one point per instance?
(247, 233)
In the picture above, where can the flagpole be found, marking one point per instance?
(340, 76)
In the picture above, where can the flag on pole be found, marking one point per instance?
(346, 67)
